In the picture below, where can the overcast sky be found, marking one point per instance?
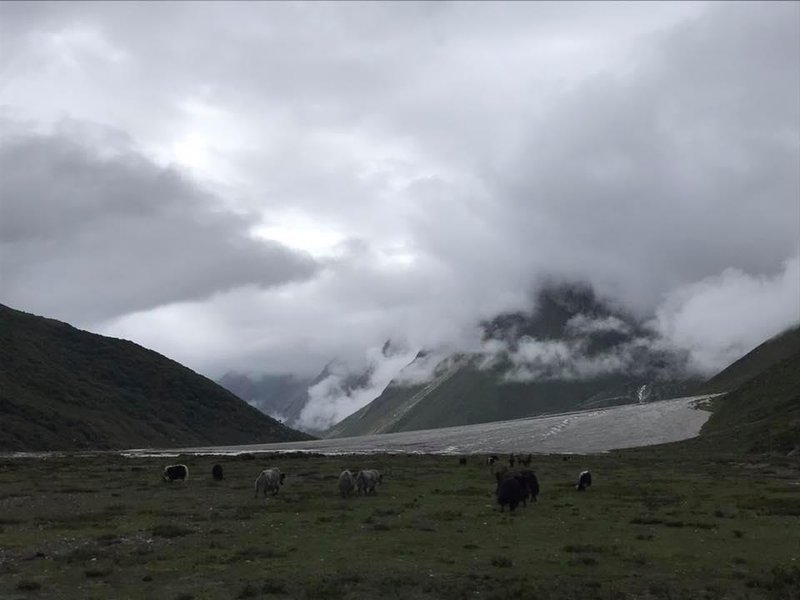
(267, 186)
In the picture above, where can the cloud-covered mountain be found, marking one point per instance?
(573, 350)
(279, 396)
(313, 405)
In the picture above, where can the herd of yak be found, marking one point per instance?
(514, 487)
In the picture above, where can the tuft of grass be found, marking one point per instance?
(424, 526)
(107, 539)
(253, 553)
(171, 531)
(273, 586)
(248, 591)
(726, 513)
(789, 507)
(28, 585)
(645, 520)
(781, 582)
(691, 524)
(76, 490)
(502, 562)
(98, 571)
(581, 548)
(332, 588)
(447, 515)
(385, 512)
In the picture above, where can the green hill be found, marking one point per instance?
(771, 352)
(762, 414)
(66, 389)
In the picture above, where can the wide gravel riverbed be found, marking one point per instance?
(580, 432)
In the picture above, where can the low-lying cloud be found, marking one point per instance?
(720, 318)
(531, 359)
(334, 398)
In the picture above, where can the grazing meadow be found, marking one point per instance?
(658, 523)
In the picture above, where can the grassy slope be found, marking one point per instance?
(62, 388)
(655, 526)
(377, 416)
(754, 362)
(762, 414)
(474, 396)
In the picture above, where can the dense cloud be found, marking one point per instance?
(440, 161)
(91, 231)
(332, 399)
(722, 317)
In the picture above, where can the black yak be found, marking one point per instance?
(511, 490)
(176, 473)
(531, 483)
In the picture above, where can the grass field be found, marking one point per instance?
(658, 523)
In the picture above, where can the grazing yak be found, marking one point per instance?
(462, 461)
(216, 472)
(511, 490)
(501, 471)
(367, 480)
(516, 487)
(347, 483)
(176, 473)
(584, 481)
(531, 484)
(269, 480)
